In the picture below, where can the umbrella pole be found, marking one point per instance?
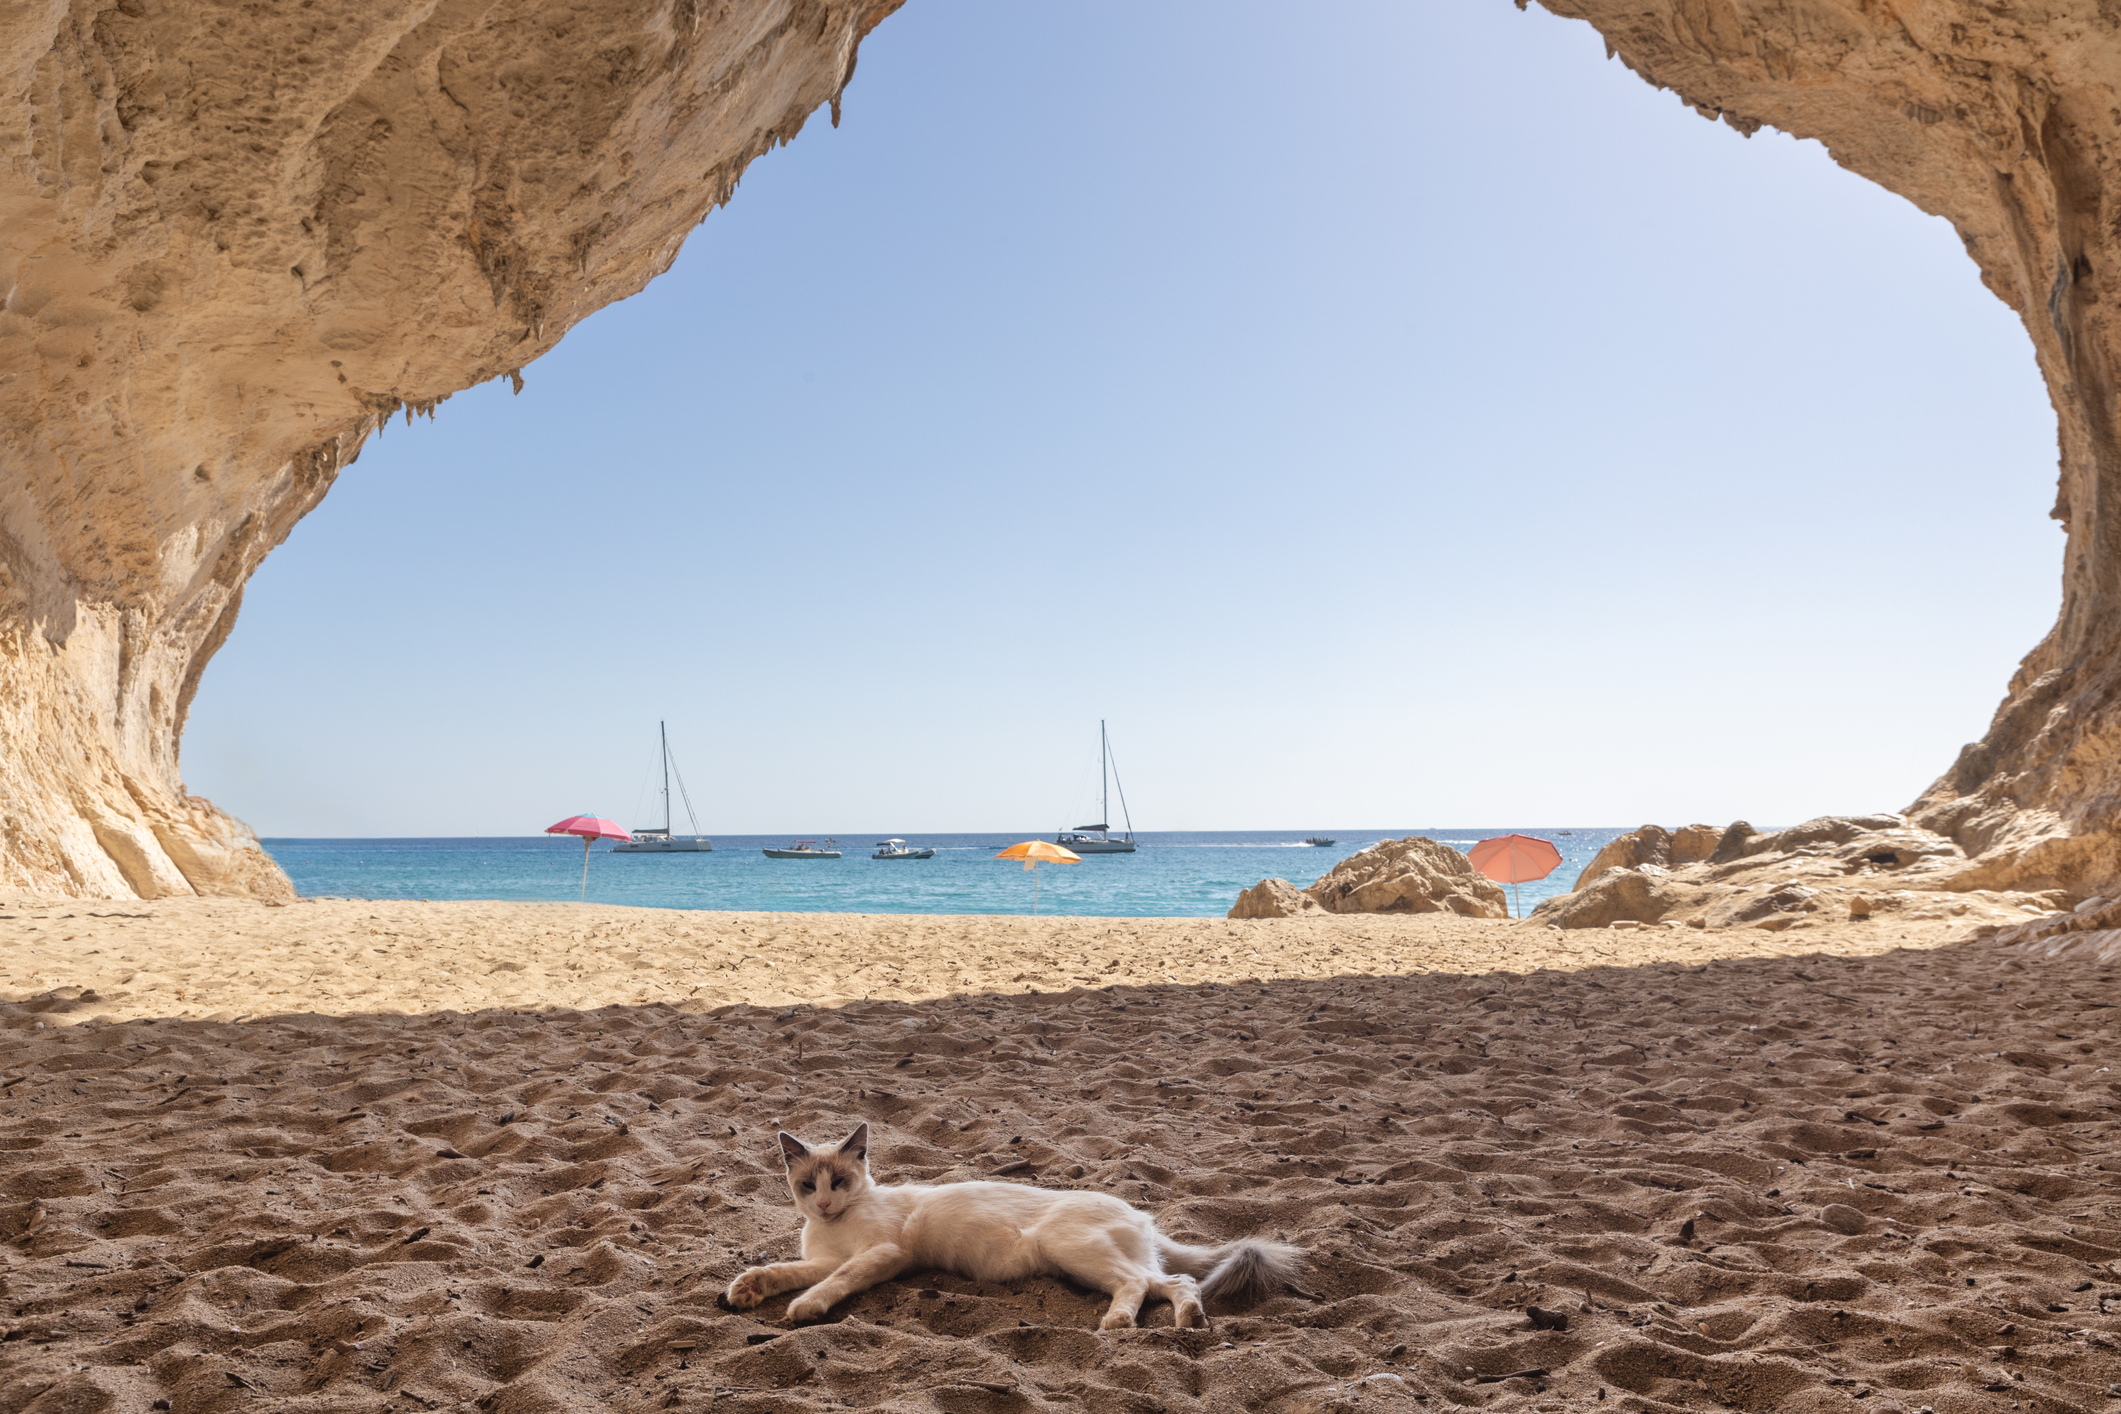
(1514, 872)
(1034, 888)
(585, 868)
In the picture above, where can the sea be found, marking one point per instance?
(1173, 874)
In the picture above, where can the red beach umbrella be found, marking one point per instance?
(589, 827)
(1515, 859)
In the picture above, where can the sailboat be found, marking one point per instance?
(1097, 839)
(661, 841)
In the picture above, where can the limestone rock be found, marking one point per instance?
(1740, 908)
(1860, 844)
(1413, 875)
(238, 237)
(1693, 843)
(1274, 898)
(1737, 837)
(1827, 869)
(1653, 845)
(1618, 895)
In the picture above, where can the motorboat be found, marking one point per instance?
(804, 849)
(899, 849)
(659, 840)
(1319, 840)
(1097, 839)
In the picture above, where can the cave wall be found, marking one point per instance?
(236, 237)
(2003, 119)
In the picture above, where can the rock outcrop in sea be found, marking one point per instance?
(239, 238)
(1413, 875)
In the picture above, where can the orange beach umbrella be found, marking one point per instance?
(1515, 859)
(1034, 853)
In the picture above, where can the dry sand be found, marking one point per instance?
(229, 958)
(1842, 1177)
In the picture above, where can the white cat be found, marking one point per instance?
(857, 1233)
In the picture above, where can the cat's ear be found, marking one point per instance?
(856, 1144)
(792, 1149)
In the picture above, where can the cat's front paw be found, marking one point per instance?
(747, 1291)
(1117, 1321)
(808, 1307)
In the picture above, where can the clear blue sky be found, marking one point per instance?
(1384, 414)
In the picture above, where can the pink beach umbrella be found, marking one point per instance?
(589, 827)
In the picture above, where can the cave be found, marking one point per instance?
(227, 269)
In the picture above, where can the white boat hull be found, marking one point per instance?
(800, 853)
(681, 845)
(904, 854)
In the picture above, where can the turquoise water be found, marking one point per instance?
(1173, 874)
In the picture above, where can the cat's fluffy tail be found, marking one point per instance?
(1248, 1267)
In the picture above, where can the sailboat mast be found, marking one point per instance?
(662, 731)
(1104, 808)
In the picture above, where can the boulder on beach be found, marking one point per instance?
(1274, 898)
(1629, 894)
(1653, 844)
(1413, 875)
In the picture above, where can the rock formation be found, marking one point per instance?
(1274, 898)
(1622, 894)
(1652, 844)
(1871, 866)
(1413, 875)
(2006, 121)
(238, 237)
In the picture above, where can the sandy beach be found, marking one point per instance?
(351, 1156)
(230, 958)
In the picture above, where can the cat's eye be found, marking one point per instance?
(808, 1186)
(833, 1182)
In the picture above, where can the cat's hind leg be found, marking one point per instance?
(1106, 1256)
(1184, 1295)
(753, 1286)
(1129, 1290)
(858, 1273)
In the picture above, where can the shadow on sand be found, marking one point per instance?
(1760, 1184)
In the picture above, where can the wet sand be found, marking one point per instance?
(1879, 1180)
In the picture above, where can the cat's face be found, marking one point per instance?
(824, 1181)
